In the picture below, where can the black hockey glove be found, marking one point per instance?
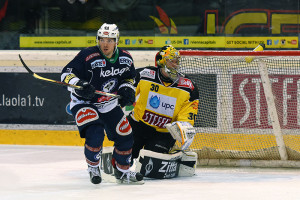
(127, 93)
(87, 91)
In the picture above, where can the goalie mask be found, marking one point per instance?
(168, 59)
(108, 31)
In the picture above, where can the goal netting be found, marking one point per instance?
(248, 111)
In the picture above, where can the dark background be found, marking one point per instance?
(53, 111)
(61, 18)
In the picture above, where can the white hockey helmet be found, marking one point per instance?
(108, 31)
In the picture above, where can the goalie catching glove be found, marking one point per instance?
(127, 93)
(87, 91)
(183, 132)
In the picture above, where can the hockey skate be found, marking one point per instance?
(95, 175)
(128, 177)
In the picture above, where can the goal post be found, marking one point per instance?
(249, 112)
(272, 110)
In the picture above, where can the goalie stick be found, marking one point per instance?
(62, 83)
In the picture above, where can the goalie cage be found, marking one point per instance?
(249, 112)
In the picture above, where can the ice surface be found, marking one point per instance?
(60, 173)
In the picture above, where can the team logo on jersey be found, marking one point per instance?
(123, 127)
(89, 57)
(148, 73)
(98, 63)
(185, 82)
(109, 85)
(85, 115)
(125, 60)
(161, 103)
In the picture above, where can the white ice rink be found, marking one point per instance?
(59, 173)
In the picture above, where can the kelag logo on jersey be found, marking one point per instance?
(125, 60)
(98, 63)
(113, 72)
(161, 103)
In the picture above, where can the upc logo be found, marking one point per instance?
(161, 104)
(167, 106)
(154, 102)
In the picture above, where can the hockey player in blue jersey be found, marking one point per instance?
(107, 68)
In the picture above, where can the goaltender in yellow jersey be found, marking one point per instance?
(166, 105)
(160, 102)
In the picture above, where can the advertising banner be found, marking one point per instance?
(250, 108)
(140, 42)
(25, 100)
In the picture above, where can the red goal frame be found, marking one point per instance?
(239, 53)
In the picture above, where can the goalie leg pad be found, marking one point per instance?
(158, 165)
(164, 166)
(188, 164)
(106, 158)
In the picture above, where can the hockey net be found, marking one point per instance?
(248, 111)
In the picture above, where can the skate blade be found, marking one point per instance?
(108, 178)
(125, 182)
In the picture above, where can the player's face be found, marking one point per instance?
(173, 64)
(170, 70)
(107, 46)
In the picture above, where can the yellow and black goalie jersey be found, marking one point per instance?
(159, 102)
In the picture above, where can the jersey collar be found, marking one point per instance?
(114, 58)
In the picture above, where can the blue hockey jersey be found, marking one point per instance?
(103, 73)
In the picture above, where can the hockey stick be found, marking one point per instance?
(62, 83)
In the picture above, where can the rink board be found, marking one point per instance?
(44, 137)
(233, 142)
